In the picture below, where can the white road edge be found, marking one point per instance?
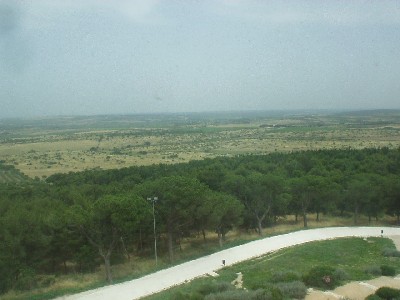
(164, 279)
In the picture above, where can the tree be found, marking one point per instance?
(259, 193)
(104, 221)
(26, 228)
(359, 193)
(179, 199)
(324, 193)
(305, 191)
(392, 196)
(225, 212)
(212, 175)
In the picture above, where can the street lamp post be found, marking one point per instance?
(154, 200)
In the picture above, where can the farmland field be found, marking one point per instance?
(42, 147)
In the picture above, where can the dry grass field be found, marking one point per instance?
(42, 147)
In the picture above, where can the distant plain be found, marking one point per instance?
(45, 146)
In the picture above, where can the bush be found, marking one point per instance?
(388, 293)
(373, 297)
(391, 252)
(293, 290)
(320, 277)
(285, 276)
(26, 280)
(230, 295)
(341, 275)
(373, 270)
(186, 296)
(196, 296)
(180, 296)
(271, 294)
(388, 270)
(6, 275)
(86, 258)
(46, 280)
(214, 287)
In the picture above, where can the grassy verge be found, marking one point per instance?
(353, 256)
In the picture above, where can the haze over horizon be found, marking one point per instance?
(69, 57)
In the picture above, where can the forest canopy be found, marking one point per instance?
(75, 222)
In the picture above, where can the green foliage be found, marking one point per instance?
(220, 212)
(86, 258)
(10, 175)
(214, 287)
(321, 277)
(272, 294)
(345, 257)
(388, 293)
(341, 275)
(351, 255)
(26, 280)
(179, 198)
(326, 277)
(285, 276)
(60, 226)
(373, 297)
(391, 252)
(104, 221)
(186, 296)
(293, 289)
(45, 280)
(388, 270)
(373, 270)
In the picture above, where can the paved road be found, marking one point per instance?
(176, 275)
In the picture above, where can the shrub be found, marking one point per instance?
(26, 280)
(391, 252)
(196, 296)
(230, 295)
(214, 287)
(46, 280)
(186, 296)
(180, 296)
(373, 297)
(86, 258)
(388, 293)
(373, 270)
(293, 290)
(388, 270)
(271, 294)
(340, 275)
(321, 277)
(285, 276)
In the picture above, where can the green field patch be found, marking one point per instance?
(349, 258)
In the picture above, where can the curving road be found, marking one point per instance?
(176, 275)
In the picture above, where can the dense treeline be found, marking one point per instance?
(75, 222)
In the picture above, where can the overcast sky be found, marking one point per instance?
(86, 57)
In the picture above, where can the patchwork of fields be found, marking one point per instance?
(42, 147)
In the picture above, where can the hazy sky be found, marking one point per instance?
(70, 57)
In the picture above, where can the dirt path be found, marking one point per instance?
(358, 290)
(176, 275)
